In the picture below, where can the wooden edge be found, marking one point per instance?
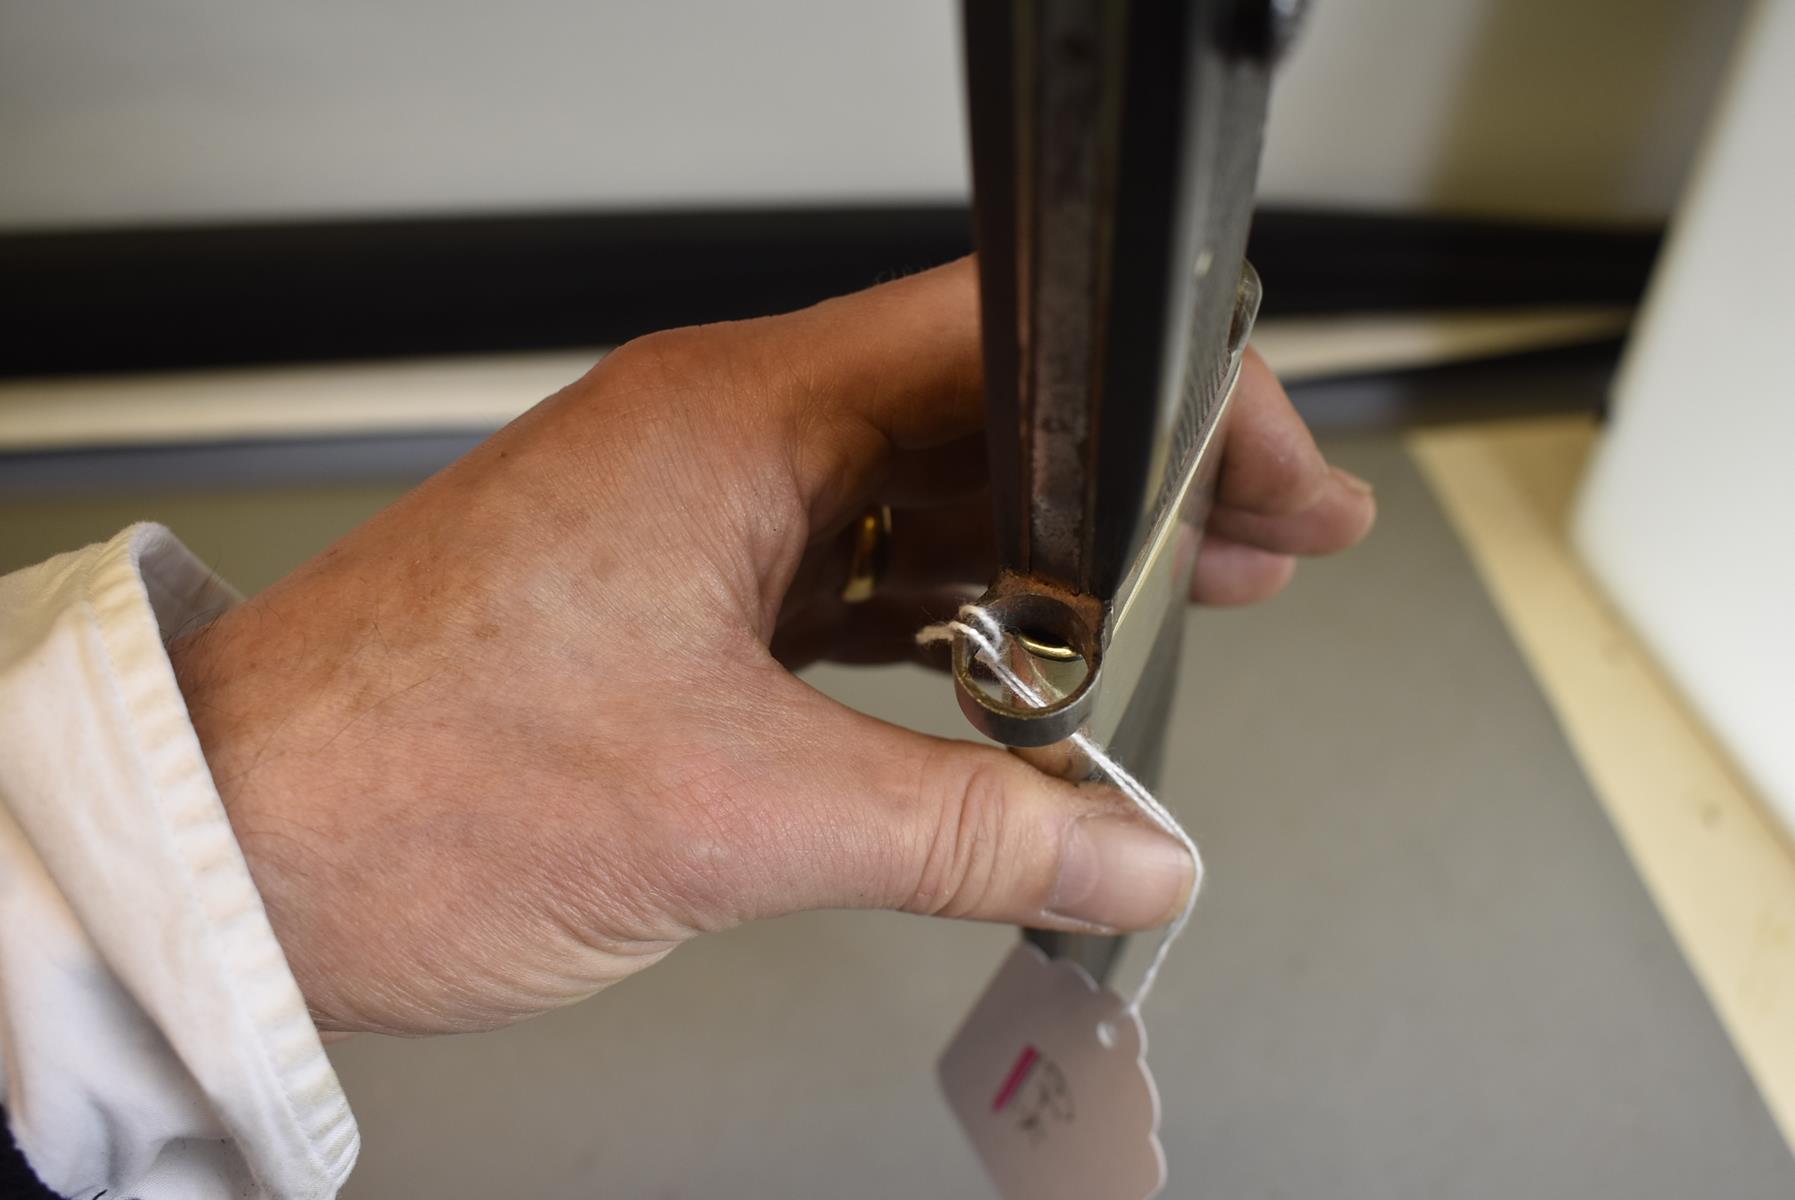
(1713, 858)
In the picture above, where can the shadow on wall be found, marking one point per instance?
(1589, 109)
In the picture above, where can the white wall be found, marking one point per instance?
(126, 111)
(1580, 109)
(1688, 516)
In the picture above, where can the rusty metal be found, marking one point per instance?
(1115, 144)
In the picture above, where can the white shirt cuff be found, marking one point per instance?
(152, 1039)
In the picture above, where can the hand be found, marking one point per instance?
(522, 733)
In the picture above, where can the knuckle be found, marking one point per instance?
(960, 867)
(660, 357)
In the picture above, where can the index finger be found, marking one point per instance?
(902, 357)
(860, 384)
(1270, 463)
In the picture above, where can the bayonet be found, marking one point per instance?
(1115, 145)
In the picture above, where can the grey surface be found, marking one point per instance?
(229, 466)
(1422, 967)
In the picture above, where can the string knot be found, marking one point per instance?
(992, 643)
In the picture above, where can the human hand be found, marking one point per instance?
(531, 727)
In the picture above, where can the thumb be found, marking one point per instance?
(949, 828)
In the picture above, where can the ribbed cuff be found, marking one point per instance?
(123, 813)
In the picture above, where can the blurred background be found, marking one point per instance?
(1503, 897)
(193, 110)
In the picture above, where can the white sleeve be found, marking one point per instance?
(152, 1040)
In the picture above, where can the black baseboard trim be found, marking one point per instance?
(1552, 382)
(185, 297)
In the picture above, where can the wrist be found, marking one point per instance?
(231, 691)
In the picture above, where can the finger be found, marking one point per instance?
(948, 828)
(1229, 573)
(1340, 517)
(882, 630)
(903, 356)
(926, 548)
(1270, 463)
(936, 560)
(935, 546)
(860, 379)
(944, 474)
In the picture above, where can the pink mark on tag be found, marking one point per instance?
(1054, 1110)
(1012, 1083)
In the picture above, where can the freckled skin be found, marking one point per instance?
(532, 726)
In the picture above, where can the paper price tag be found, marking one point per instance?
(1048, 1076)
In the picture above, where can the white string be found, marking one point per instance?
(983, 630)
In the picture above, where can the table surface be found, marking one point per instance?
(1424, 965)
(1715, 858)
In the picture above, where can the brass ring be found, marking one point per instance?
(1052, 651)
(871, 551)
